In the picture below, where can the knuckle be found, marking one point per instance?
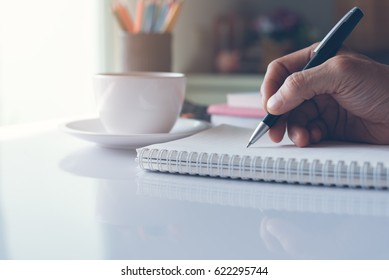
(295, 81)
(298, 85)
(273, 66)
(276, 66)
(341, 64)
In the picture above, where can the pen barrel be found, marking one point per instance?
(270, 119)
(335, 38)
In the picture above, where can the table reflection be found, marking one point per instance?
(3, 249)
(148, 215)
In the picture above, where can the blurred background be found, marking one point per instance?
(50, 50)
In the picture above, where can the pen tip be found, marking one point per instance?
(248, 145)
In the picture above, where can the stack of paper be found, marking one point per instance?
(245, 100)
(241, 109)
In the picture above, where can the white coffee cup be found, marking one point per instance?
(139, 102)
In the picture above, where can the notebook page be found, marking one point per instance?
(226, 139)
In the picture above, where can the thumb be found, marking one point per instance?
(299, 87)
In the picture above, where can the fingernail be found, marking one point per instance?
(274, 103)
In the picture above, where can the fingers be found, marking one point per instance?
(285, 86)
(301, 86)
(305, 126)
(277, 132)
(291, 90)
(311, 133)
(286, 90)
(281, 68)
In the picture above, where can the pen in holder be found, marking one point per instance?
(150, 52)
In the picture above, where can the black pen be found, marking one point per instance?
(327, 48)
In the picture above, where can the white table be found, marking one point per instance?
(62, 198)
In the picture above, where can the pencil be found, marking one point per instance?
(139, 16)
(172, 16)
(123, 16)
(149, 16)
(163, 12)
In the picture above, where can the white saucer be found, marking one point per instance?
(92, 130)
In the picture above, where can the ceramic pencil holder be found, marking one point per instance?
(148, 52)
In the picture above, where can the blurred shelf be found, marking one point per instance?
(208, 89)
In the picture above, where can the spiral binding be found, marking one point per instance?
(266, 169)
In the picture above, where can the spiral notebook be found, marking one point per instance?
(221, 152)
